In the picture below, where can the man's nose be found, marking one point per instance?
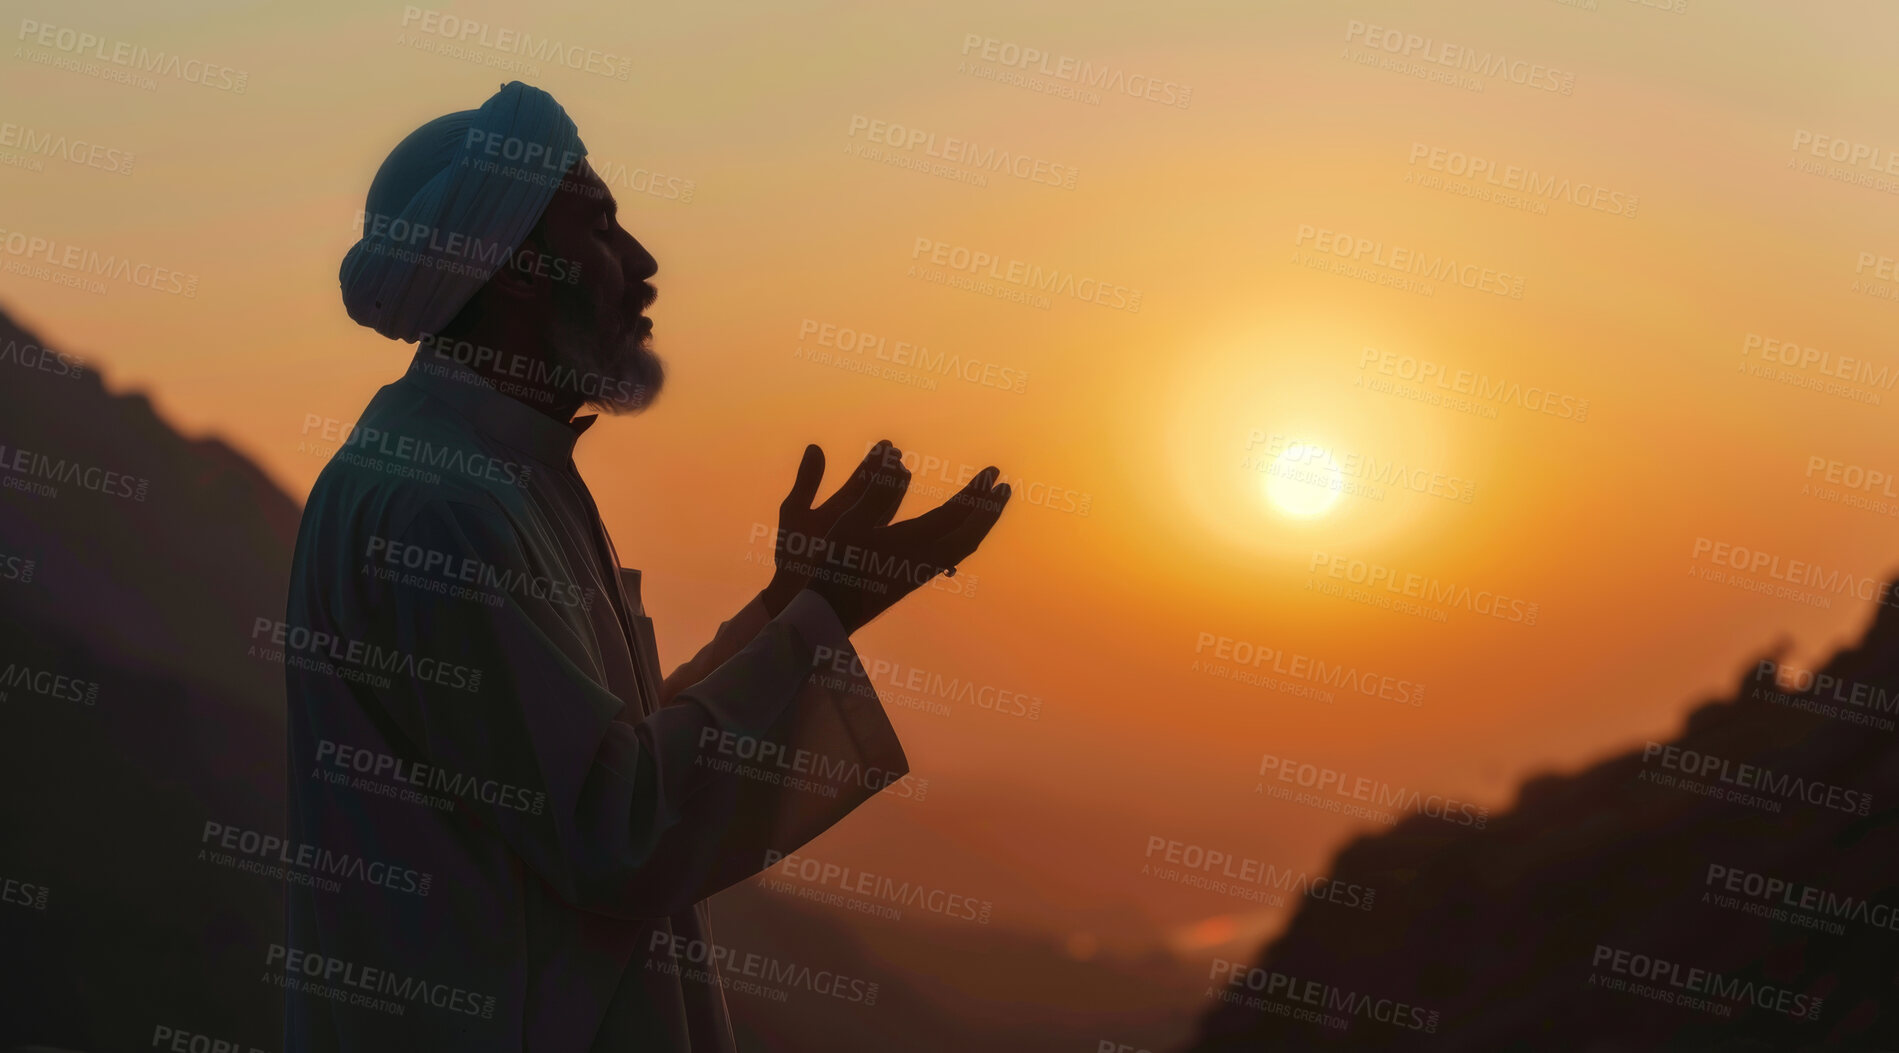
(640, 264)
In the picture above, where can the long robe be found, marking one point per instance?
(502, 822)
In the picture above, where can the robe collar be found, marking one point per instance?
(496, 415)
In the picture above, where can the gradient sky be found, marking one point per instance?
(1145, 414)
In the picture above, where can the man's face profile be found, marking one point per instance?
(586, 284)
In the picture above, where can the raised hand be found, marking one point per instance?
(868, 563)
(802, 528)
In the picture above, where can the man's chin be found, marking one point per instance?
(618, 371)
(632, 380)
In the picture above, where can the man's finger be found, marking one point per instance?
(956, 545)
(888, 481)
(891, 473)
(854, 487)
(951, 513)
(810, 473)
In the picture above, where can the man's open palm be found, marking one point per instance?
(872, 563)
(848, 550)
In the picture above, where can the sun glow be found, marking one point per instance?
(1304, 482)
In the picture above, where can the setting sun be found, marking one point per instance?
(1304, 482)
(1452, 492)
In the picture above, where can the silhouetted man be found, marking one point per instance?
(503, 820)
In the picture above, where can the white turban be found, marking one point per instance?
(451, 205)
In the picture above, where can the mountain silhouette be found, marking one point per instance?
(1500, 931)
(132, 713)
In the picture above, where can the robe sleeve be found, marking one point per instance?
(633, 818)
(735, 632)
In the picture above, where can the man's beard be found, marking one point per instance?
(613, 365)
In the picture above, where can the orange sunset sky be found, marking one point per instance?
(741, 147)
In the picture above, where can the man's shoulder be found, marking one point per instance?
(363, 522)
(411, 463)
(410, 451)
